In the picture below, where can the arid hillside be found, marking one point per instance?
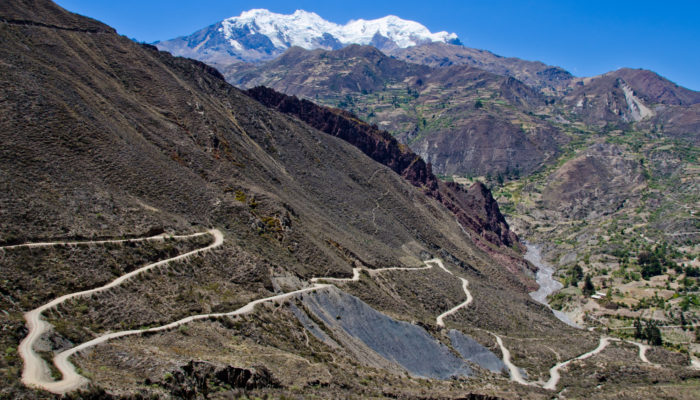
(165, 235)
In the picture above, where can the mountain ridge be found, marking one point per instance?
(533, 73)
(103, 137)
(258, 35)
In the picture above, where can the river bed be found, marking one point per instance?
(548, 285)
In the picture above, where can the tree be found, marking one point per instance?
(651, 262)
(576, 275)
(638, 331)
(588, 288)
(652, 333)
(478, 104)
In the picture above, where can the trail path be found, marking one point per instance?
(451, 311)
(78, 242)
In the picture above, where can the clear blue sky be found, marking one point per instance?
(586, 37)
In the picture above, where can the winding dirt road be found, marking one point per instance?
(75, 243)
(35, 372)
(454, 309)
(428, 265)
(642, 351)
(554, 371)
(514, 371)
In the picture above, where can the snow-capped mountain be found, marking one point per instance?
(259, 34)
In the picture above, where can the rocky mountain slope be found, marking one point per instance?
(634, 99)
(474, 207)
(619, 181)
(105, 138)
(317, 272)
(258, 35)
(443, 114)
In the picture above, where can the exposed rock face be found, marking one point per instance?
(197, 378)
(377, 144)
(472, 351)
(635, 96)
(479, 209)
(655, 89)
(475, 208)
(361, 329)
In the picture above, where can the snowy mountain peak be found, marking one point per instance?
(260, 34)
(306, 29)
(301, 28)
(403, 32)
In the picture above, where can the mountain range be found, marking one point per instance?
(597, 171)
(424, 91)
(259, 34)
(166, 234)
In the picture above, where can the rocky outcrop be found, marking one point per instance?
(475, 208)
(629, 96)
(197, 378)
(655, 89)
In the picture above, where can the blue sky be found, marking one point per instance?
(586, 37)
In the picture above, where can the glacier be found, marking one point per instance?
(259, 34)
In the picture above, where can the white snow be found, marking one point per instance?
(306, 29)
(235, 44)
(404, 33)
